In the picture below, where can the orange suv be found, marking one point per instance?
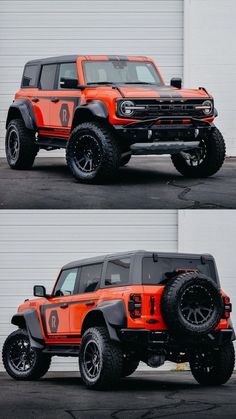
(114, 311)
(103, 110)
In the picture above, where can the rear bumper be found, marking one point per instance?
(164, 339)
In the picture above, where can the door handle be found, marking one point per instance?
(90, 303)
(64, 305)
(55, 99)
(35, 99)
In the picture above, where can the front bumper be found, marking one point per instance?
(175, 132)
(165, 340)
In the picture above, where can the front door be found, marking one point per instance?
(56, 314)
(64, 99)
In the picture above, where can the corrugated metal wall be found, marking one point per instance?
(35, 244)
(204, 231)
(210, 58)
(34, 29)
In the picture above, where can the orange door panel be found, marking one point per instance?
(62, 110)
(78, 310)
(56, 316)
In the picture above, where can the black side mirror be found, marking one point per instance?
(176, 82)
(39, 291)
(68, 83)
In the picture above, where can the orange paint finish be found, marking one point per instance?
(52, 120)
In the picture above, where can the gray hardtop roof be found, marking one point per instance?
(52, 60)
(71, 58)
(102, 258)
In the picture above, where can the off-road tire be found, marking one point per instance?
(110, 358)
(173, 304)
(40, 365)
(129, 367)
(109, 152)
(214, 158)
(27, 149)
(221, 369)
(125, 160)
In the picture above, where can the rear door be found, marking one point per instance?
(41, 102)
(87, 295)
(56, 314)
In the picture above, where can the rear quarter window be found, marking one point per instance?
(117, 272)
(30, 76)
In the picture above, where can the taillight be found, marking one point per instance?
(135, 305)
(227, 307)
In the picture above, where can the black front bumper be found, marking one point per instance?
(169, 137)
(165, 340)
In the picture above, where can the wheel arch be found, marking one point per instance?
(110, 314)
(22, 109)
(30, 322)
(95, 110)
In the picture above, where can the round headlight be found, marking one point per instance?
(126, 107)
(208, 107)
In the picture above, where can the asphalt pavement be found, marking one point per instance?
(145, 183)
(146, 395)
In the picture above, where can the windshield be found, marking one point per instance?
(156, 272)
(120, 71)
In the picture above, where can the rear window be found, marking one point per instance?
(156, 272)
(30, 76)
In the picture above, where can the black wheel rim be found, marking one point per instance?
(88, 153)
(13, 144)
(21, 356)
(196, 305)
(196, 157)
(92, 360)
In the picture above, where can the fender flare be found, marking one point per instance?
(114, 315)
(95, 108)
(29, 320)
(26, 110)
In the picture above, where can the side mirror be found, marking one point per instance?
(39, 291)
(68, 83)
(176, 82)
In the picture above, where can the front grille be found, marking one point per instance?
(168, 107)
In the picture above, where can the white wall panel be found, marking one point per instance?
(214, 232)
(210, 57)
(35, 244)
(34, 29)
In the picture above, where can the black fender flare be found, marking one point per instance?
(30, 321)
(25, 108)
(114, 315)
(94, 108)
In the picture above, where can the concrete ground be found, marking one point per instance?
(146, 183)
(146, 395)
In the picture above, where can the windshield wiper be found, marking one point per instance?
(100, 82)
(140, 82)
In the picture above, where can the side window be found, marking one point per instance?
(47, 77)
(30, 76)
(67, 71)
(90, 277)
(117, 272)
(66, 283)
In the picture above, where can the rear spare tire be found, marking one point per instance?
(191, 304)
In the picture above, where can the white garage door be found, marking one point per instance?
(212, 232)
(34, 245)
(34, 29)
(210, 58)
